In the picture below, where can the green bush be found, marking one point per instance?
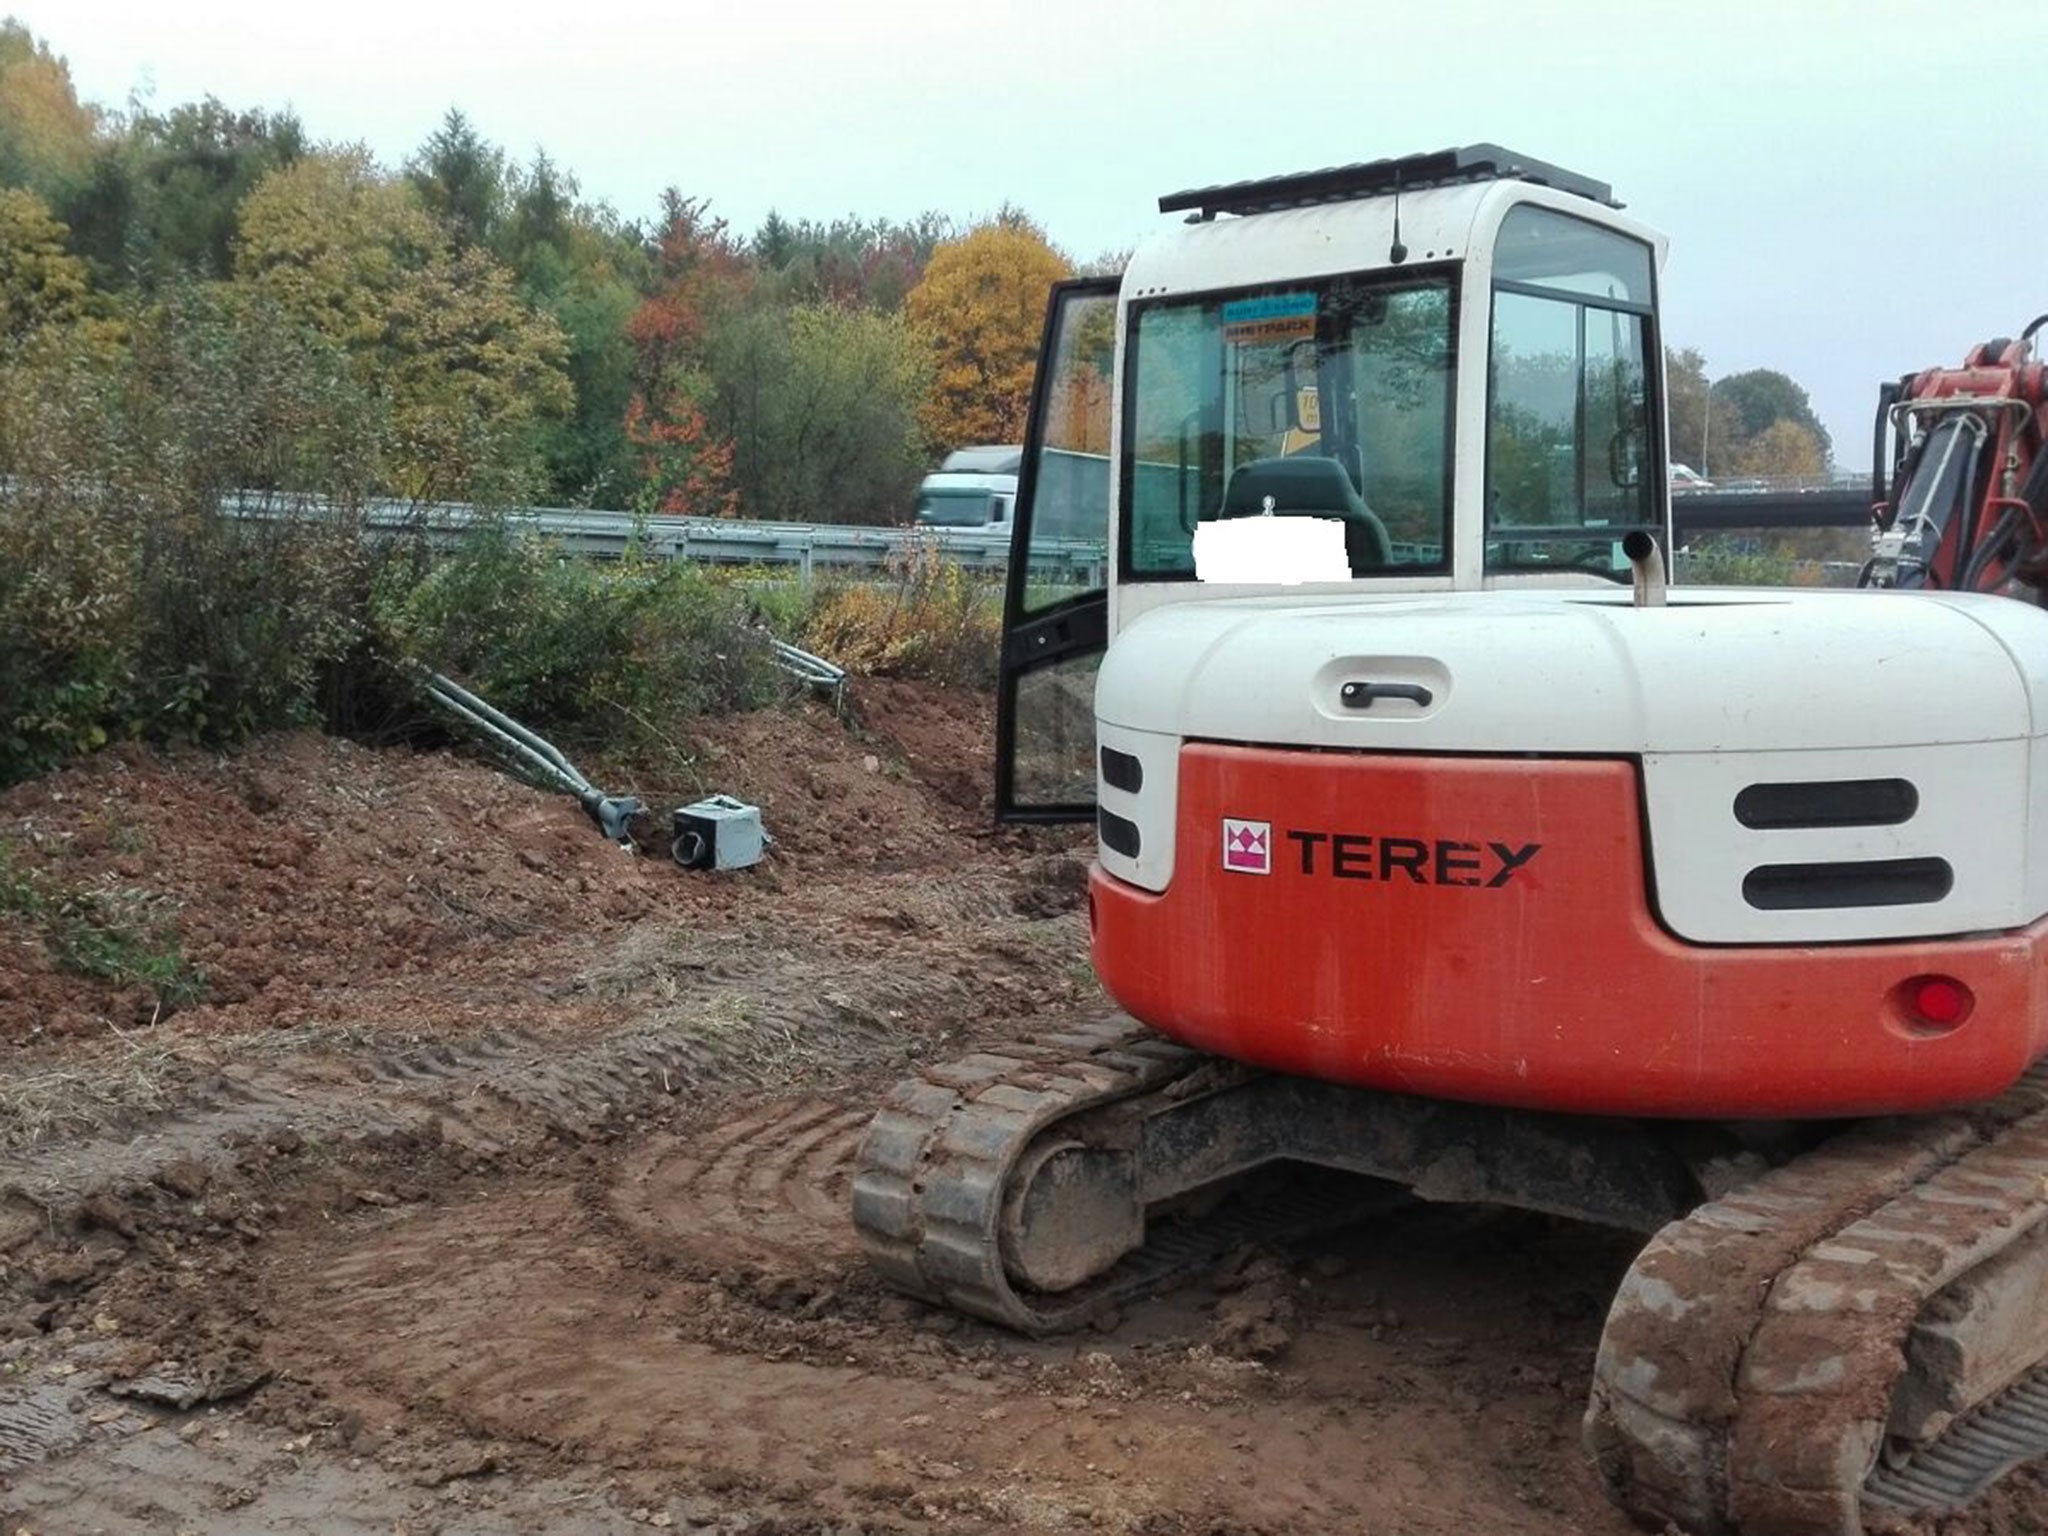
(130, 606)
(133, 607)
(608, 653)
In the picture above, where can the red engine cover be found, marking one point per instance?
(1478, 928)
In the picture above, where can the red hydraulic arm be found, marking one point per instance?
(1964, 506)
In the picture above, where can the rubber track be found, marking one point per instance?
(928, 1188)
(1751, 1353)
(2007, 1432)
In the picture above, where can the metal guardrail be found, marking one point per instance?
(715, 540)
(1830, 480)
(809, 546)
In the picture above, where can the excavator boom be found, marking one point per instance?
(1961, 458)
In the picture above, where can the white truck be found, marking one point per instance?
(973, 488)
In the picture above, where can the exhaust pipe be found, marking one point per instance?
(1647, 562)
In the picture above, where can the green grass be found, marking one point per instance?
(114, 934)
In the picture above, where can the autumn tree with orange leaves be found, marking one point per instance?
(696, 263)
(980, 307)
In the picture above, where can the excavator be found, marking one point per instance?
(1467, 857)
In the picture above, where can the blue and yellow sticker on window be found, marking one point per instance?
(1271, 319)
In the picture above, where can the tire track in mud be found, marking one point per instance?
(611, 1316)
(754, 1021)
(532, 1318)
(36, 1422)
(770, 1186)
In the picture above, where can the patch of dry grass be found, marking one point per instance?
(45, 1103)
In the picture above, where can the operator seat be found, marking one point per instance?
(1310, 484)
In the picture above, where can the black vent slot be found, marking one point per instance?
(1119, 834)
(1122, 771)
(1865, 883)
(1828, 803)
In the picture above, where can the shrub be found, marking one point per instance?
(183, 560)
(130, 606)
(927, 618)
(602, 651)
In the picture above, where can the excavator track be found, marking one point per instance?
(1861, 1330)
(936, 1168)
(2006, 1433)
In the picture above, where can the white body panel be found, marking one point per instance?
(1717, 691)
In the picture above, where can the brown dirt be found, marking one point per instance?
(312, 878)
(500, 1186)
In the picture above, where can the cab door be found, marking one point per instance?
(1056, 600)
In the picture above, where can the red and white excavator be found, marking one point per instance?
(1463, 855)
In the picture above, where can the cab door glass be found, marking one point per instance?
(1069, 463)
(1055, 616)
(1574, 440)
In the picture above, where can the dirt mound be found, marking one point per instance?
(310, 881)
(305, 871)
(836, 800)
(945, 736)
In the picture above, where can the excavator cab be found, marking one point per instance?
(1455, 357)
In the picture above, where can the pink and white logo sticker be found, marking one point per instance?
(1248, 846)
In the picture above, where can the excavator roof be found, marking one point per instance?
(1342, 183)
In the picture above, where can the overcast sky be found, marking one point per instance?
(1852, 190)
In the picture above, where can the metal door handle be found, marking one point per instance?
(1362, 695)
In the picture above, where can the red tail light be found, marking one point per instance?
(1935, 1002)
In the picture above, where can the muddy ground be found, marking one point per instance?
(499, 1184)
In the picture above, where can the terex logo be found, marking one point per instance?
(1437, 861)
(1248, 846)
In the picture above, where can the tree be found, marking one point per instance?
(1110, 263)
(46, 133)
(164, 195)
(40, 282)
(775, 242)
(1783, 449)
(464, 368)
(1750, 403)
(693, 262)
(868, 262)
(684, 469)
(543, 213)
(980, 307)
(1685, 405)
(694, 265)
(460, 176)
(585, 269)
(820, 404)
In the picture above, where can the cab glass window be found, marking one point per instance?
(1572, 438)
(1328, 398)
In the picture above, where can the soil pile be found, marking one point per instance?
(310, 880)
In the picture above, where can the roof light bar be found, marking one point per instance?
(1444, 167)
